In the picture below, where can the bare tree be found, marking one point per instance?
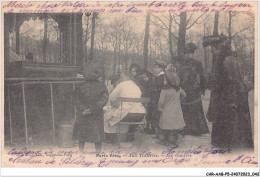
(127, 39)
(184, 24)
(182, 34)
(214, 73)
(115, 36)
(86, 38)
(215, 30)
(45, 39)
(146, 40)
(91, 54)
(160, 23)
(170, 36)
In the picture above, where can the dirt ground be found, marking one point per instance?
(148, 142)
(184, 142)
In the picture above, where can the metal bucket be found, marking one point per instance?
(65, 136)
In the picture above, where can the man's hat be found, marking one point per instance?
(190, 48)
(160, 63)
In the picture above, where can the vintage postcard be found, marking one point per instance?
(129, 84)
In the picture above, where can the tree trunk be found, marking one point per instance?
(170, 37)
(126, 57)
(213, 83)
(74, 58)
(215, 31)
(6, 41)
(150, 53)
(79, 44)
(205, 53)
(229, 29)
(85, 43)
(146, 40)
(119, 55)
(182, 34)
(17, 37)
(114, 67)
(91, 54)
(45, 39)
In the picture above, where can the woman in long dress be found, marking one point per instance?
(228, 109)
(193, 83)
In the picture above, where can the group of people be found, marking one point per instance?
(175, 106)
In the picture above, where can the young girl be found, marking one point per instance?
(171, 119)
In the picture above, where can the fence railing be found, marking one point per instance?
(28, 81)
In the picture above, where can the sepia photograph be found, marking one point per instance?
(129, 84)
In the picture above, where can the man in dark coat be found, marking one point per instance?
(90, 98)
(228, 109)
(154, 114)
(192, 80)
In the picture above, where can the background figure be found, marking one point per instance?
(146, 82)
(135, 70)
(90, 98)
(126, 88)
(158, 83)
(115, 80)
(146, 78)
(193, 83)
(229, 110)
(171, 119)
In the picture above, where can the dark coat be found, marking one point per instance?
(91, 95)
(146, 88)
(231, 123)
(193, 83)
(155, 95)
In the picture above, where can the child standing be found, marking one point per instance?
(156, 88)
(171, 119)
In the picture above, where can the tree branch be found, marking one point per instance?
(175, 37)
(175, 20)
(165, 17)
(240, 31)
(176, 14)
(204, 19)
(189, 19)
(164, 28)
(195, 21)
(159, 20)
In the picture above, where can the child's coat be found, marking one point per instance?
(170, 107)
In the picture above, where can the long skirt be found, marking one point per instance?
(232, 127)
(193, 114)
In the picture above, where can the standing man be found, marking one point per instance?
(228, 109)
(193, 83)
(90, 98)
(158, 83)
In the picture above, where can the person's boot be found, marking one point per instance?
(98, 147)
(175, 139)
(81, 146)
